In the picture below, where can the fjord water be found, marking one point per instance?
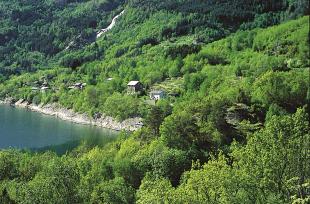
(24, 129)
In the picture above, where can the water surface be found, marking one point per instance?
(24, 129)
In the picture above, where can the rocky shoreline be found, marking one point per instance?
(104, 121)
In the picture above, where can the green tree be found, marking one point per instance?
(155, 191)
(113, 191)
(156, 116)
(274, 161)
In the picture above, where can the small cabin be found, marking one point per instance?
(78, 85)
(157, 95)
(44, 88)
(134, 87)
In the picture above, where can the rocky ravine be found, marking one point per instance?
(56, 110)
(102, 31)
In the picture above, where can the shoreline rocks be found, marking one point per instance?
(104, 121)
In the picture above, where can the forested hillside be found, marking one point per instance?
(234, 125)
(33, 32)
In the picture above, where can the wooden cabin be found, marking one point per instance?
(134, 87)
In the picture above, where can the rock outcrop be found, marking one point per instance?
(104, 121)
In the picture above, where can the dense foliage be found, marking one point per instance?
(233, 128)
(37, 34)
(271, 168)
(33, 31)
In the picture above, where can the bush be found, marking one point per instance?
(121, 106)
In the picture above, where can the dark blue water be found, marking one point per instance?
(24, 129)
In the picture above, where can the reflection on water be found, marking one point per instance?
(89, 141)
(23, 129)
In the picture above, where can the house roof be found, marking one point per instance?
(157, 92)
(77, 84)
(133, 83)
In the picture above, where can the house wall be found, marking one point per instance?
(156, 96)
(133, 89)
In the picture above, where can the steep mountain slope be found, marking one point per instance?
(237, 133)
(233, 127)
(196, 66)
(33, 32)
(152, 22)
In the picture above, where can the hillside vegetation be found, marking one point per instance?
(233, 129)
(34, 34)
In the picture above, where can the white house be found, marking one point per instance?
(44, 88)
(157, 95)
